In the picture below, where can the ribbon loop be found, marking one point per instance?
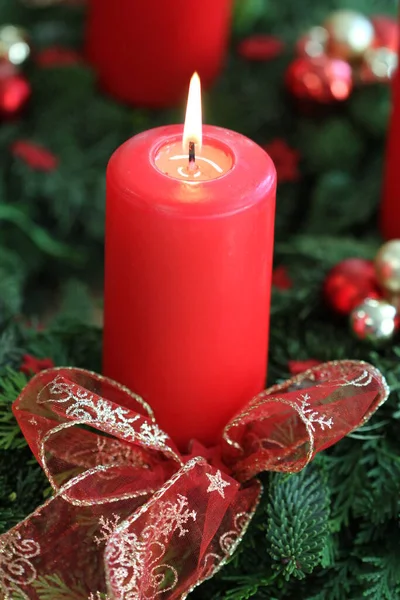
(283, 427)
(131, 517)
(57, 403)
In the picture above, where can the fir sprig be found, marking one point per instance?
(54, 586)
(11, 385)
(298, 514)
(339, 518)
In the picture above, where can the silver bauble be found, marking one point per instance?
(14, 45)
(374, 321)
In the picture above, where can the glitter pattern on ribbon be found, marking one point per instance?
(131, 518)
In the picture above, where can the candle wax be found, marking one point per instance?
(210, 163)
(188, 277)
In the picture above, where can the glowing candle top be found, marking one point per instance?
(189, 159)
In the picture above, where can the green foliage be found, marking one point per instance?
(76, 303)
(373, 121)
(380, 575)
(22, 485)
(331, 144)
(53, 586)
(331, 532)
(329, 204)
(298, 523)
(10, 387)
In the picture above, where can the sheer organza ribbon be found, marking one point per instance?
(133, 519)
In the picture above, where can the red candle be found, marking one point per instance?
(128, 41)
(390, 209)
(189, 244)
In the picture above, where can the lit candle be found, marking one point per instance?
(189, 244)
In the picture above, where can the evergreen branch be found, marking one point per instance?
(298, 522)
(53, 586)
(380, 576)
(11, 386)
(248, 586)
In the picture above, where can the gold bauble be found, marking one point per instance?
(14, 45)
(387, 266)
(350, 34)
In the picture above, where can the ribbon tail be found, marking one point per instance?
(185, 533)
(61, 545)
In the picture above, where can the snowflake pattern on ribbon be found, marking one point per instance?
(136, 564)
(311, 416)
(142, 521)
(87, 408)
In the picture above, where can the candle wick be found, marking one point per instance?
(192, 156)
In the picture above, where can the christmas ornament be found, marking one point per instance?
(370, 291)
(15, 92)
(394, 300)
(14, 45)
(349, 49)
(322, 79)
(349, 283)
(379, 64)
(374, 321)
(261, 47)
(387, 265)
(386, 32)
(350, 34)
(134, 516)
(7, 69)
(313, 44)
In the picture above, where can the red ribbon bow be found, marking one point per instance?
(133, 519)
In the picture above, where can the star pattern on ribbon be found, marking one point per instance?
(131, 517)
(217, 484)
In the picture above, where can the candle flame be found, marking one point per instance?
(193, 129)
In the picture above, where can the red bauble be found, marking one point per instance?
(386, 32)
(15, 91)
(349, 283)
(321, 79)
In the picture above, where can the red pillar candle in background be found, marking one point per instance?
(128, 41)
(188, 275)
(390, 209)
